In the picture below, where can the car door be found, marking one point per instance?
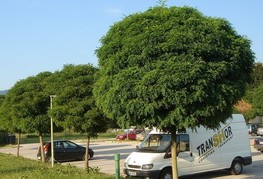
(59, 152)
(73, 151)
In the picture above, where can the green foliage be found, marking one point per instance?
(3, 138)
(2, 113)
(2, 98)
(162, 3)
(257, 76)
(257, 104)
(14, 167)
(170, 67)
(254, 92)
(26, 105)
(74, 107)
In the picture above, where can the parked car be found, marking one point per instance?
(64, 150)
(252, 129)
(130, 134)
(260, 131)
(258, 144)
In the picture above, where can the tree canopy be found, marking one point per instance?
(27, 103)
(251, 105)
(257, 101)
(74, 107)
(3, 126)
(257, 76)
(171, 67)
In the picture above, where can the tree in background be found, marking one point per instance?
(27, 105)
(74, 107)
(257, 76)
(2, 127)
(2, 98)
(254, 99)
(3, 121)
(8, 121)
(257, 101)
(173, 68)
(250, 105)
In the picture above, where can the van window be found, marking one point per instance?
(182, 142)
(162, 142)
(155, 143)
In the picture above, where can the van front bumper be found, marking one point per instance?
(152, 174)
(247, 160)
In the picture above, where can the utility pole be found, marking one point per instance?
(51, 132)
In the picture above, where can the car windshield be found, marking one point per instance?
(155, 143)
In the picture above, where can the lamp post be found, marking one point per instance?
(51, 132)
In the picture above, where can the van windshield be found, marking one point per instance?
(155, 143)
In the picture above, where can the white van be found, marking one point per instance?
(199, 150)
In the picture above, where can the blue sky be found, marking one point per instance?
(44, 35)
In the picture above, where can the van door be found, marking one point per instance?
(206, 155)
(184, 156)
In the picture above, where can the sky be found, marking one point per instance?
(44, 35)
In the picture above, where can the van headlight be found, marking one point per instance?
(147, 166)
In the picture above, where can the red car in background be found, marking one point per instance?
(130, 134)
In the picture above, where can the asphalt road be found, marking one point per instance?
(104, 159)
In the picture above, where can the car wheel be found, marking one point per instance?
(48, 159)
(166, 174)
(84, 157)
(236, 167)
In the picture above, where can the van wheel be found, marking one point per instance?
(236, 167)
(166, 174)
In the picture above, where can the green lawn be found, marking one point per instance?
(33, 138)
(12, 167)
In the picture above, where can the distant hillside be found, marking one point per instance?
(3, 92)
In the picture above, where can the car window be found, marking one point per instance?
(58, 145)
(69, 145)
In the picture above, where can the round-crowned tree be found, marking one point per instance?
(172, 67)
(74, 107)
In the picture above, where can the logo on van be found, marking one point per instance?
(218, 140)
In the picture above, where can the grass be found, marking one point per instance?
(12, 167)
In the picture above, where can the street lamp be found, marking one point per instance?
(51, 132)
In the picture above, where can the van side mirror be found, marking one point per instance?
(168, 154)
(137, 148)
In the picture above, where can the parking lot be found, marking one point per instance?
(104, 159)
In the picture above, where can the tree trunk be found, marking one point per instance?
(87, 155)
(174, 154)
(41, 147)
(18, 144)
